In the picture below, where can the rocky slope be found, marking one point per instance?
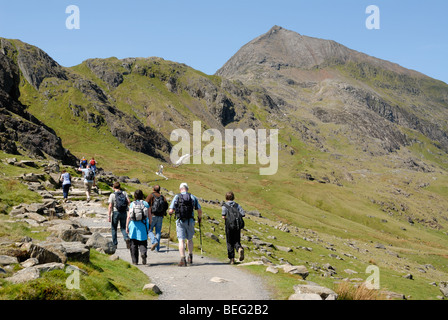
(20, 130)
(327, 82)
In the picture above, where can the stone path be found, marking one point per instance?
(206, 279)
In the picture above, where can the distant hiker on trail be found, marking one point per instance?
(89, 180)
(66, 183)
(118, 208)
(137, 225)
(157, 209)
(83, 163)
(92, 163)
(233, 215)
(184, 205)
(160, 172)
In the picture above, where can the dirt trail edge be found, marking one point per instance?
(205, 279)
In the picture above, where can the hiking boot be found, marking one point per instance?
(154, 246)
(190, 258)
(241, 254)
(183, 262)
(232, 261)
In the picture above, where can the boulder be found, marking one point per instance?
(305, 296)
(212, 236)
(300, 270)
(443, 286)
(323, 292)
(36, 217)
(24, 275)
(77, 251)
(5, 260)
(97, 241)
(152, 287)
(44, 255)
(31, 262)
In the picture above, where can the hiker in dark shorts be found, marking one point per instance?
(232, 213)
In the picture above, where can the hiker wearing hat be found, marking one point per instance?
(183, 205)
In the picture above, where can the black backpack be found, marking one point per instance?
(90, 175)
(121, 202)
(159, 205)
(184, 206)
(234, 219)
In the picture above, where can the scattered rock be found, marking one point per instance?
(24, 275)
(284, 249)
(97, 241)
(409, 276)
(6, 260)
(152, 287)
(443, 286)
(300, 270)
(272, 269)
(212, 236)
(31, 262)
(218, 280)
(303, 290)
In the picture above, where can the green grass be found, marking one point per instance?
(102, 279)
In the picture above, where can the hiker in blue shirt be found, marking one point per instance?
(66, 183)
(184, 205)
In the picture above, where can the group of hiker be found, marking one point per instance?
(141, 221)
(88, 168)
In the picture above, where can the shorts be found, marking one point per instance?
(88, 186)
(185, 229)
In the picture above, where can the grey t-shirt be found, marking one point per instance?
(112, 199)
(232, 203)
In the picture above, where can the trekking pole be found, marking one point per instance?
(169, 236)
(200, 235)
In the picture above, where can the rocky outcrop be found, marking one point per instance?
(19, 130)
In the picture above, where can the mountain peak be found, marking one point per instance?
(282, 48)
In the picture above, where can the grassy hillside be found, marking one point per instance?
(327, 189)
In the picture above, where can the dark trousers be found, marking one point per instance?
(137, 245)
(65, 189)
(233, 238)
(119, 217)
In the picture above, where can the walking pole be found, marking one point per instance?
(200, 235)
(169, 236)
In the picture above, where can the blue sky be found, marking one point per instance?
(204, 34)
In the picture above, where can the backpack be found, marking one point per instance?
(184, 206)
(139, 211)
(121, 202)
(90, 175)
(234, 219)
(159, 206)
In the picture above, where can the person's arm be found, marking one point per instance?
(110, 210)
(148, 201)
(223, 212)
(127, 220)
(171, 211)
